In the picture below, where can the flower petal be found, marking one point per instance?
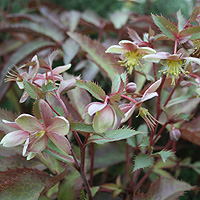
(61, 142)
(148, 96)
(23, 97)
(14, 138)
(153, 87)
(128, 45)
(11, 124)
(193, 59)
(38, 144)
(116, 49)
(28, 123)
(156, 57)
(104, 119)
(61, 69)
(45, 112)
(94, 107)
(147, 50)
(128, 110)
(59, 125)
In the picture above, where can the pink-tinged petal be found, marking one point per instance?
(33, 70)
(59, 125)
(45, 112)
(23, 97)
(146, 50)
(174, 57)
(25, 146)
(193, 59)
(38, 144)
(61, 69)
(153, 87)
(29, 123)
(134, 36)
(14, 138)
(11, 124)
(148, 96)
(156, 57)
(61, 142)
(128, 110)
(104, 119)
(128, 45)
(94, 107)
(56, 77)
(116, 49)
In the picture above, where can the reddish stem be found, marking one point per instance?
(154, 71)
(130, 99)
(91, 164)
(78, 139)
(52, 108)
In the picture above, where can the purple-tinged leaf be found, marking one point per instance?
(95, 90)
(96, 51)
(189, 31)
(167, 27)
(181, 20)
(165, 189)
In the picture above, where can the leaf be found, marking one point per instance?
(70, 187)
(195, 13)
(92, 18)
(167, 27)
(41, 29)
(114, 135)
(30, 89)
(23, 184)
(181, 20)
(142, 161)
(82, 127)
(163, 154)
(49, 87)
(95, 90)
(96, 51)
(165, 189)
(189, 31)
(22, 53)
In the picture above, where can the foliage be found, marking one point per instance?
(113, 125)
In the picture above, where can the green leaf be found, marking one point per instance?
(95, 90)
(142, 161)
(82, 127)
(49, 87)
(167, 27)
(194, 14)
(190, 31)
(22, 183)
(114, 135)
(181, 20)
(30, 89)
(118, 83)
(96, 51)
(163, 154)
(22, 53)
(165, 189)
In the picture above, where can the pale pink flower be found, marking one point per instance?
(35, 134)
(131, 54)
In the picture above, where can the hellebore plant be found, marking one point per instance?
(131, 54)
(35, 135)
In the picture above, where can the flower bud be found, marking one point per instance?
(131, 87)
(175, 134)
(188, 45)
(152, 39)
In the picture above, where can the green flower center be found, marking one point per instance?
(40, 134)
(132, 60)
(175, 67)
(196, 47)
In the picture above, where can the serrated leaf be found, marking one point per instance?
(167, 27)
(189, 31)
(118, 83)
(95, 90)
(114, 135)
(142, 161)
(23, 184)
(96, 51)
(163, 154)
(165, 189)
(22, 53)
(82, 127)
(194, 14)
(49, 87)
(30, 89)
(181, 20)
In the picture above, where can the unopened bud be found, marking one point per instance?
(188, 45)
(131, 87)
(175, 134)
(151, 39)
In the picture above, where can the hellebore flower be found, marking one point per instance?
(35, 134)
(128, 109)
(105, 117)
(174, 62)
(131, 54)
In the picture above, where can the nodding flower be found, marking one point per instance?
(131, 54)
